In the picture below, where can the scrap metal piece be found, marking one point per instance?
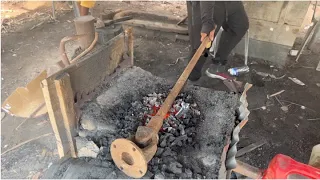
(231, 162)
(129, 157)
(297, 81)
(243, 114)
(263, 74)
(183, 110)
(275, 94)
(248, 170)
(232, 85)
(250, 148)
(214, 76)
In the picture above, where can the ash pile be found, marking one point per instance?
(191, 141)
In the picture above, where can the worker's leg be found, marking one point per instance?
(234, 29)
(84, 7)
(83, 10)
(194, 24)
(194, 28)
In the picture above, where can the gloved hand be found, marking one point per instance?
(204, 35)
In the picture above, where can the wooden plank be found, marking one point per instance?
(65, 95)
(250, 148)
(59, 110)
(115, 55)
(129, 36)
(55, 116)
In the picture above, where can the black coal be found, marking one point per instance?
(175, 138)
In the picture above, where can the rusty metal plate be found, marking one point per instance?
(27, 101)
(129, 158)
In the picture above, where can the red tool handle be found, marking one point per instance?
(284, 167)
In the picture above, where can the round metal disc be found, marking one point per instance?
(129, 158)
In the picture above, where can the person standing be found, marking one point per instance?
(205, 18)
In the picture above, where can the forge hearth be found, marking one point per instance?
(193, 136)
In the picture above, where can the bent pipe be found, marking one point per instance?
(152, 21)
(62, 48)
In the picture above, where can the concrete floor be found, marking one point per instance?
(25, 53)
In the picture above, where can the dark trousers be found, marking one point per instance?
(234, 22)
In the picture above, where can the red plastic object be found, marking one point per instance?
(284, 167)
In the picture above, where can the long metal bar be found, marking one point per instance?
(308, 36)
(75, 9)
(246, 49)
(53, 11)
(157, 120)
(182, 20)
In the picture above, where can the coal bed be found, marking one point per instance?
(191, 141)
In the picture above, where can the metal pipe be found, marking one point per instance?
(75, 9)
(62, 47)
(182, 20)
(88, 49)
(246, 49)
(305, 42)
(53, 11)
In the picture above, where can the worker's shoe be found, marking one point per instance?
(217, 66)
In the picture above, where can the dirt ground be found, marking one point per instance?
(30, 41)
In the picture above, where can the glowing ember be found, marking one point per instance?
(173, 118)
